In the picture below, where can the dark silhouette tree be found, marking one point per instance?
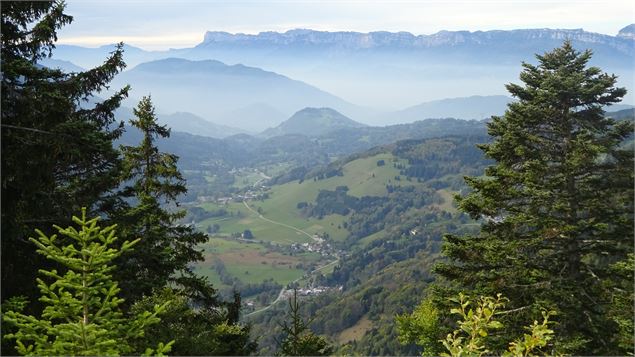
(167, 249)
(159, 269)
(57, 139)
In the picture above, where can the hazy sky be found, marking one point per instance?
(172, 24)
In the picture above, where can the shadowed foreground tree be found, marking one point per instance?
(201, 331)
(81, 314)
(557, 206)
(166, 249)
(159, 270)
(57, 152)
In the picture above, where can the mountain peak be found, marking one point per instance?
(172, 63)
(627, 32)
(207, 67)
(323, 115)
(310, 113)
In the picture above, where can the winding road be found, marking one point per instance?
(281, 293)
(278, 223)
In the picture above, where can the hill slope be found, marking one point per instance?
(387, 209)
(193, 124)
(313, 122)
(185, 122)
(211, 89)
(474, 107)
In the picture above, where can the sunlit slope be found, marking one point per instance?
(362, 176)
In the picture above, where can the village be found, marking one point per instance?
(287, 294)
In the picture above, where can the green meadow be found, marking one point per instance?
(278, 220)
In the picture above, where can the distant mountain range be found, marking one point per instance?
(382, 70)
(474, 107)
(196, 151)
(324, 122)
(239, 96)
(627, 32)
(65, 66)
(313, 122)
(400, 69)
(190, 123)
(517, 45)
(185, 122)
(502, 40)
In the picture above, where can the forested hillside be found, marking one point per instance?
(322, 236)
(393, 236)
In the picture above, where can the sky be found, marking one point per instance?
(163, 24)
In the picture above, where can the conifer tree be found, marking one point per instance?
(200, 331)
(166, 249)
(159, 269)
(556, 207)
(81, 314)
(57, 152)
(300, 340)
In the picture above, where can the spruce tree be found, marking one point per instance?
(82, 313)
(57, 151)
(159, 269)
(556, 207)
(166, 249)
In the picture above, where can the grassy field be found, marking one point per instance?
(242, 219)
(448, 201)
(370, 238)
(222, 246)
(251, 262)
(362, 177)
(274, 170)
(254, 267)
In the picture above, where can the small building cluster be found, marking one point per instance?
(311, 291)
(318, 246)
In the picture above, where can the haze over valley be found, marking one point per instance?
(254, 82)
